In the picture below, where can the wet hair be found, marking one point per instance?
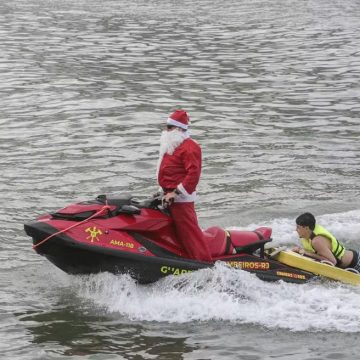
(306, 219)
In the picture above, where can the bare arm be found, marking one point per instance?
(322, 246)
(301, 251)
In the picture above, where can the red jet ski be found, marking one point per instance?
(124, 235)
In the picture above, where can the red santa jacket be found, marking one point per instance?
(182, 170)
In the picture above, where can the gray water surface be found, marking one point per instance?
(272, 88)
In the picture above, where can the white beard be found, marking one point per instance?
(169, 141)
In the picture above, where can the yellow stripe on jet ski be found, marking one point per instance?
(298, 261)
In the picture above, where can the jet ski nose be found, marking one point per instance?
(37, 231)
(29, 228)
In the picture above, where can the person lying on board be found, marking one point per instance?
(318, 243)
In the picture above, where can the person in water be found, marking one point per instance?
(178, 173)
(320, 244)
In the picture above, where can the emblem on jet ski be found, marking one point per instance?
(94, 232)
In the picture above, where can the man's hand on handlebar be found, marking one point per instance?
(168, 199)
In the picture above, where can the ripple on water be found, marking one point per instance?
(272, 89)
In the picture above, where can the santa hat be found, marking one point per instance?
(179, 118)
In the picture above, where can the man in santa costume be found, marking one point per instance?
(179, 172)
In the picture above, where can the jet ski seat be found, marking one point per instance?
(219, 241)
(228, 242)
(250, 241)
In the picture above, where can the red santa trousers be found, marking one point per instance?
(188, 231)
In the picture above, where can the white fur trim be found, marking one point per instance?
(185, 196)
(183, 191)
(179, 124)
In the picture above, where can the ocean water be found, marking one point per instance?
(272, 88)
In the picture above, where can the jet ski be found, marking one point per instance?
(123, 235)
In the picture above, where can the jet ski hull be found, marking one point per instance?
(146, 266)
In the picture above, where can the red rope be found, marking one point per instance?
(106, 207)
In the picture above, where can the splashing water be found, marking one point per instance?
(227, 295)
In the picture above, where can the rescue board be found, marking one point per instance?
(298, 261)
